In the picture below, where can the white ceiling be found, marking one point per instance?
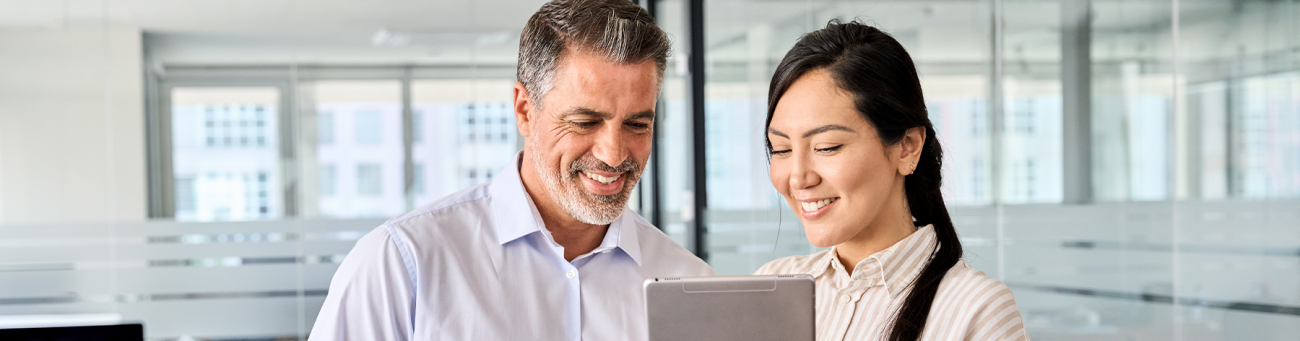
(486, 31)
(269, 31)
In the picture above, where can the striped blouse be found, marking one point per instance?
(968, 306)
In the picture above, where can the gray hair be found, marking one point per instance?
(618, 30)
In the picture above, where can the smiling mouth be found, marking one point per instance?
(817, 205)
(602, 179)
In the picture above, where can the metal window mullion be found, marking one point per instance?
(1076, 85)
(289, 128)
(995, 133)
(408, 141)
(162, 191)
(656, 190)
(695, 55)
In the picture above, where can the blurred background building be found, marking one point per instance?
(1130, 168)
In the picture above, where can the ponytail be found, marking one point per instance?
(880, 75)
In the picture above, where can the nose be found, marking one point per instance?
(609, 146)
(802, 173)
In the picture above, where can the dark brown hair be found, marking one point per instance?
(619, 30)
(880, 75)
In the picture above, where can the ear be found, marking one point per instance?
(909, 150)
(523, 110)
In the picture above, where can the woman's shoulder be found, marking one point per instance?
(792, 264)
(970, 284)
(981, 305)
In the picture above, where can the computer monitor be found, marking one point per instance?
(114, 332)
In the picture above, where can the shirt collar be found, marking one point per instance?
(627, 225)
(894, 267)
(510, 200)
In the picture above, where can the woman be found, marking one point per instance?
(853, 152)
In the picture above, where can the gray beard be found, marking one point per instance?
(586, 207)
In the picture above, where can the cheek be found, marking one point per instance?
(867, 183)
(568, 145)
(640, 146)
(780, 176)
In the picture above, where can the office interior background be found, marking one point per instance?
(1130, 168)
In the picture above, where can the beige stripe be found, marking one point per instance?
(1002, 313)
(977, 294)
(947, 299)
(1015, 330)
(969, 304)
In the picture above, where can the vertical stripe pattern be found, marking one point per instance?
(861, 306)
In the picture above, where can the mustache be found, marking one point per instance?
(591, 163)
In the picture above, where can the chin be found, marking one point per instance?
(819, 237)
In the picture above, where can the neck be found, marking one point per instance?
(890, 227)
(576, 237)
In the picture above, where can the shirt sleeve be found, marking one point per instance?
(998, 318)
(371, 296)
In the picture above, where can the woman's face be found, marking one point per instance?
(829, 163)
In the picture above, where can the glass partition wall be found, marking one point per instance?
(1131, 169)
(1134, 178)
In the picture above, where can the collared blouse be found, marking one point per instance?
(968, 306)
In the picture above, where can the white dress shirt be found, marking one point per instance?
(968, 305)
(479, 265)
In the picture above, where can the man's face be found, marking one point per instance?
(590, 140)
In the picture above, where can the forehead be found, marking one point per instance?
(590, 80)
(814, 100)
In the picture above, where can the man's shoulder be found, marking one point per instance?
(661, 251)
(452, 205)
(452, 213)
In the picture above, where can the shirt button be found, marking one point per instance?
(574, 273)
(843, 298)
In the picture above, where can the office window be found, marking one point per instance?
(225, 156)
(417, 126)
(369, 127)
(366, 151)
(185, 195)
(469, 134)
(417, 181)
(369, 179)
(325, 127)
(328, 180)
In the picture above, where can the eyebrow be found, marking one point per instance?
(826, 128)
(648, 114)
(814, 131)
(587, 112)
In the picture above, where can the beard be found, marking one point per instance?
(574, 198)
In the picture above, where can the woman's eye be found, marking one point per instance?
(829, 149)
(780, 152)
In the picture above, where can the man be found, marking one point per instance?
(548, 249)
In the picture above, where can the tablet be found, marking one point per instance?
(722, 308)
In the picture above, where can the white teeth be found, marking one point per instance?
(816, 205)
(601, 179)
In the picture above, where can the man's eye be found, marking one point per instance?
(638, 125)
(585, 124)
